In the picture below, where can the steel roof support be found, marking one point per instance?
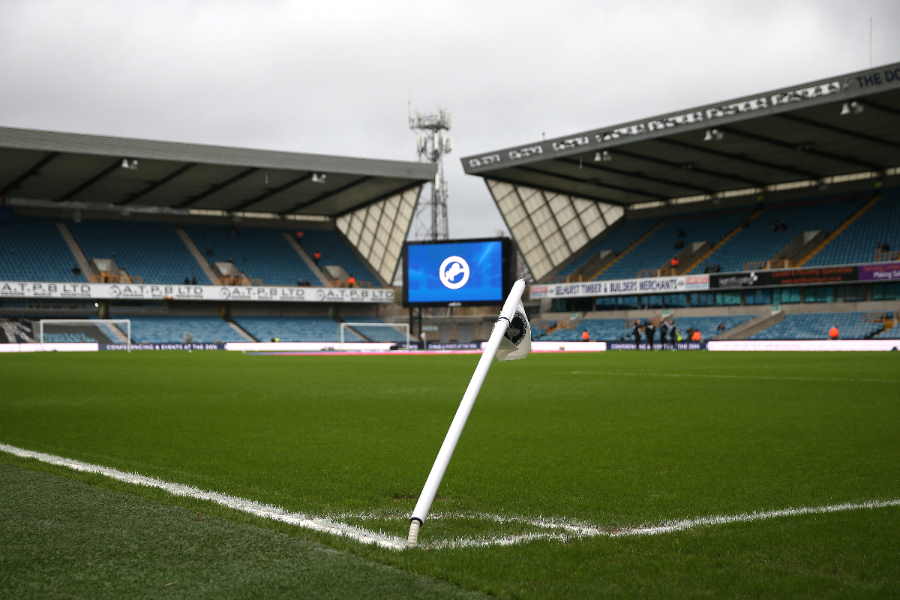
(637, 175)
(841, 131)
(675, 165)
(272, 192)
(595, 183)
(556, 189)
(739, 158)
(218, 187)
(29, 172)
(326, 195)
(117, 164)
(157, 184)
(379, 198)
(820, 153)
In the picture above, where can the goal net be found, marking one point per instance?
(73, 331)
(377, 332)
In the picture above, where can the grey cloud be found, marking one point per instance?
(335, 77)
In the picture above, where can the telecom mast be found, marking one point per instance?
(432, 143)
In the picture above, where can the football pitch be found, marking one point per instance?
(629, 474)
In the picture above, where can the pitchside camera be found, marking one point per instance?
(457, 272)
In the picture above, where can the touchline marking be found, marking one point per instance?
(554, 529)
(266, 511)
(729, 376)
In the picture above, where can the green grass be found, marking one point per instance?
(616, 439)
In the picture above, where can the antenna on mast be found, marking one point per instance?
(432, 143)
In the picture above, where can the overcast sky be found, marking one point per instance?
(335, 77)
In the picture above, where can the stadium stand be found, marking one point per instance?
(32, 250)
(657, 249)
(815, 326)
(163, 330)
(889, 334)
(294, 329)
(67, 338)
(859, 243)
(263, 255)
(149, 252)
(617, 238)
(16, 331)
(336, 251)
(376, 334)
(620, 329)
(762, 238)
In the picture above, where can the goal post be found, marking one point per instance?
(403, 327)
(80, 330)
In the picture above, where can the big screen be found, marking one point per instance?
(466, 271)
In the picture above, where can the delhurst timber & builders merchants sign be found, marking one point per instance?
(621, 287)
(720, 281)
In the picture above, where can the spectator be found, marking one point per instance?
(674, 262)
(834, 333)
(194, 280)
(298, 235)
(187, 281)
(317, 256)
(585, 336)
(885, 247)
(351, 281)
(720, 329)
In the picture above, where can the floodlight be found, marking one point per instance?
(129, 163)
(852, 108)
(603, 156)
(713, 135)
(319, 177)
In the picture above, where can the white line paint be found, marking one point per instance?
(266, 511)
(731, 376)
(553, 529)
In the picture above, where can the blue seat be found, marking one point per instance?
(261, 254)
(659, 248)
(162, 330)
(759, 241)
(377, 334)
(336, 250)
(32, 250)
(616, 238)
(815, 326)
(857, 244)
(152, 252)
(295, 329)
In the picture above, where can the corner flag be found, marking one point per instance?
(510, 340)
(516, 342)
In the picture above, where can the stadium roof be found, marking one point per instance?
(836, 126)
(130, 173)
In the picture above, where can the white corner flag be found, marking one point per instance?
(516, 342)
(510, 340)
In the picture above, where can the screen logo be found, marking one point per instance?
(454, 272)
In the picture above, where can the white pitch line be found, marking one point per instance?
(555, 529)
(266, 511)
(732, 376)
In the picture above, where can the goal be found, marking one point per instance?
(390, 335)
(101, 331)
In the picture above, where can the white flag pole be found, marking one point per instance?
(423, 506)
